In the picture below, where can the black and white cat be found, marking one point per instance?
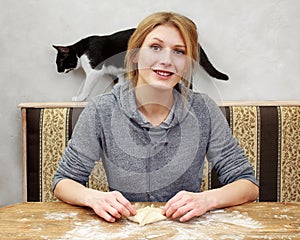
(100, 56)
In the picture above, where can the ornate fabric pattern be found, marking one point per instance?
(290, 154)
(98, 178)
(53, 142)
(205, 177)
(245, 128)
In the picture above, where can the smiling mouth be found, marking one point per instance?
(163, 73)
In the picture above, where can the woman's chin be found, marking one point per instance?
(162, 85)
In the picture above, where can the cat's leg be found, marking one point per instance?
(117, 72)
(93, 76)
(91, 79)
(112, 70)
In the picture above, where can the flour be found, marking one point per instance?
(234, 217)
(283, 216)
(211, 225)
(60, 216)
(92, 230)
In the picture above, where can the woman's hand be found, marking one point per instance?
(186, 205)
(110, 205)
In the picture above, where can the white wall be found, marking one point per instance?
(256, 42)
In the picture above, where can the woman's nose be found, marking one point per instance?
(166, 57)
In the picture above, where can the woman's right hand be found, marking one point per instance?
(110, 205)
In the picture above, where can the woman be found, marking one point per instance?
(152, 134)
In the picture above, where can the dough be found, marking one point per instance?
(147, 215)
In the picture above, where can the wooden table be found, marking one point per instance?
(62, 221)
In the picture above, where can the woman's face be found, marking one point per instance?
(162, 58)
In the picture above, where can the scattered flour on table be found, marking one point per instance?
(208, 226)
(283, 216)
(235, 217)
(60, 215)
(92, 229)
(53, 215)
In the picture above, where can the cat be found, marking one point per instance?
(100, 56)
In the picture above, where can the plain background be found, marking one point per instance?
(257, 43)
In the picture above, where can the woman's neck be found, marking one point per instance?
(155, 104)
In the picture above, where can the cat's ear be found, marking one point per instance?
(62, 49)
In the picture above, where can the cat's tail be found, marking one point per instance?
(209, 68)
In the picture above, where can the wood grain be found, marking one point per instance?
(58, 220)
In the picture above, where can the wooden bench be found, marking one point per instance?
(269, 132)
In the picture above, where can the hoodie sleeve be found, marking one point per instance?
(83, 150)
(224, 151)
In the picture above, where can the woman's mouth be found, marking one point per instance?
(163, 73)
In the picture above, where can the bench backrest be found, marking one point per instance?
(269, 132)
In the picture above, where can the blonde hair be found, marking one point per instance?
(186, 27)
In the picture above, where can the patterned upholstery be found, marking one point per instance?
(270, 136)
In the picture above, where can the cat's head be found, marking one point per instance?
(66, 58)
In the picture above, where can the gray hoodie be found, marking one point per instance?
(147, 163)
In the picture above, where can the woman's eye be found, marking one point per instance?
(155, 47)
(179, 51)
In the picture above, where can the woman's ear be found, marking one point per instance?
(135, 58)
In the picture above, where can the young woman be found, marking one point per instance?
(152, 134)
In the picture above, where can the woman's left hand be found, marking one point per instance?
(186, 205)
